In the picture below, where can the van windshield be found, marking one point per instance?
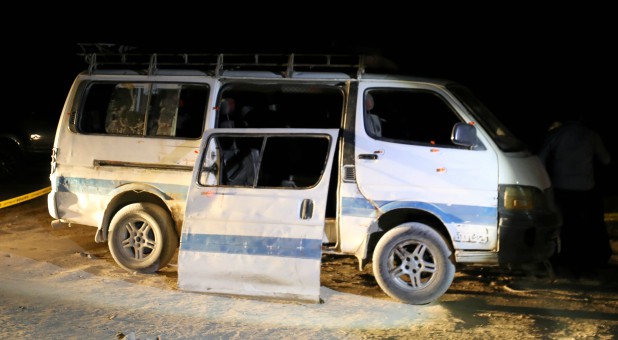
(505, 140)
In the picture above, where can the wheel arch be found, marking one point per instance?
(396, 217)
(127, 194)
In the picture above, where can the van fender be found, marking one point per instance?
(466, 226)
(387, 217)
(118, 198)
(429, 208)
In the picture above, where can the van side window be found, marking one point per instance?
(125, 114)
(409, 116)
(265, 162)
(280, 106)
(294, 162)
(163, 111)
(143, 109)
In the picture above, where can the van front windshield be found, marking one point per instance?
(505, 140)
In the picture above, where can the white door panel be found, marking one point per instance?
(256, 241)
(434, 174)
(407, 169)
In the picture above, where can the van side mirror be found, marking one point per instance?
(464, 135)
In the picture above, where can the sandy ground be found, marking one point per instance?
(57, 284)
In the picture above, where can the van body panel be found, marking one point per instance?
(523, 168)
(91, 169)
(94, 188)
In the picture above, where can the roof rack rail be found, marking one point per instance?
(215, 64)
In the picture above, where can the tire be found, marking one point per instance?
(412, 263)
(142, 238)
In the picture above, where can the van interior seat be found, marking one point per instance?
(374, 125)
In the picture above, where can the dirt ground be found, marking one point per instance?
(43, 293)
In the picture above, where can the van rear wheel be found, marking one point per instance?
(142, 238)
(412, 263)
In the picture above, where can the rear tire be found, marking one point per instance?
(142, 237)
(412, 263)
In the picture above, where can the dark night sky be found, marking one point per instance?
(529, 65)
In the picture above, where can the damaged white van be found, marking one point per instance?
(257, 165)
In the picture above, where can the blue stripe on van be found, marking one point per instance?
(79, 185)
(252, 245)
(448, 213)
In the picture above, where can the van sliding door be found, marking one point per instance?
(254, 219)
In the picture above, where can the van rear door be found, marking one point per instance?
(254, 219)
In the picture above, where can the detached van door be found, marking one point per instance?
(254, 219)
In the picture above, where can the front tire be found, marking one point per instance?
(142, 237)
(412, 263)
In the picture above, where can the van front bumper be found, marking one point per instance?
(528, 237)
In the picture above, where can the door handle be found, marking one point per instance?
(371, 156)
(306, 209)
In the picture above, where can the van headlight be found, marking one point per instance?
(521, 198)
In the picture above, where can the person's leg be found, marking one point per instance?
(566, 262)
(598, 247)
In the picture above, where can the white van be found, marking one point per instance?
(301, 154)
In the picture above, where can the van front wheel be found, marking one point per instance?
(412, 263)
(142, 238)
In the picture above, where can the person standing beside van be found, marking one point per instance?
(570, 153)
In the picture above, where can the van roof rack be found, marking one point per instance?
(105, 57)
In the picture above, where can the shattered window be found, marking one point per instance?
(143, 109)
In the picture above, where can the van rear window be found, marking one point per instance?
(143, 109)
